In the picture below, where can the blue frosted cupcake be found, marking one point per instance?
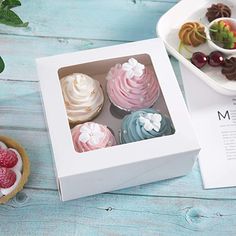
(144, 124)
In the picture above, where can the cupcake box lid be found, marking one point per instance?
(121, 166)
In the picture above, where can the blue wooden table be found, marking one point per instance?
(173, 207)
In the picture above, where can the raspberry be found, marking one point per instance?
(7, 177)
(8, 158)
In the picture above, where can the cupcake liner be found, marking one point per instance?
(118, 112)
(25, 170)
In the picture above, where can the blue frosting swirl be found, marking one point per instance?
(132, 129)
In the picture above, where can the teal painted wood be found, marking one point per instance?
(19, 53)
(126, 20)
(37, 213)
(171, 207)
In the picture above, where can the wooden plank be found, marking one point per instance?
(35, 212)
(19, 53)
(20, 105)
(126, 20)
(20, 60)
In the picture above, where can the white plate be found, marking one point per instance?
(168, 28)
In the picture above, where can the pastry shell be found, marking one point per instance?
(25, 169)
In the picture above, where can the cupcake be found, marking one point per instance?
(91, 136)
(132, 86)
(14, 168)
(83, 97)
(192, 34)
(144, 124)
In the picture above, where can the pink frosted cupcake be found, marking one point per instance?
(132, 86)
(91, 136)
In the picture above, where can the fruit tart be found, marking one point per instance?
(14, 168)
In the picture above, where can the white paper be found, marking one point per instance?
(214, 119)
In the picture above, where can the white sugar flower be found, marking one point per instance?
(151, 121)
(133, 68)
(91, 133)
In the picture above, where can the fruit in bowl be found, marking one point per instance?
(222, 35)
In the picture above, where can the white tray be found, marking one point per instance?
(168, 28)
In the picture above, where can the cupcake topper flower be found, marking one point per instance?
(133, 68)
(151, 121)
(91, 133)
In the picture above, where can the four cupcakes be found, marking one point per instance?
(131, 87)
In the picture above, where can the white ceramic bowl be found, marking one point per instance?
(214, 46)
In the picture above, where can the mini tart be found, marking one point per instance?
(10, 143)
(192, 34)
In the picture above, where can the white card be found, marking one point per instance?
(214, 120)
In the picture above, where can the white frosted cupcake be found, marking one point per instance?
(83, 97)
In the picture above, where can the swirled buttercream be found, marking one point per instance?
(144, 124)
(83, 97)
(90, 136)
(132, 86)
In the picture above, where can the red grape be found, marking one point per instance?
(199, 59)
(216, 58)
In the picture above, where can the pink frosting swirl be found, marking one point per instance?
(133, 93)
(91, 136)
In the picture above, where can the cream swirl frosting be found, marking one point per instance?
(83, 97)
(132, 86)
(91, 136)
(145, 124)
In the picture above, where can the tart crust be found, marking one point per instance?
(25, 169)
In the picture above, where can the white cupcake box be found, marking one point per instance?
(121, 166)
